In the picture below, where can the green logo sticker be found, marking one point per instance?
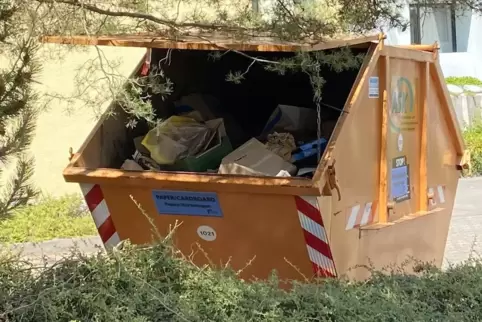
(402, 112)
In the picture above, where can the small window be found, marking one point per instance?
(447, 24)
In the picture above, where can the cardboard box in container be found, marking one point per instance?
(253, 158)
(292, 119)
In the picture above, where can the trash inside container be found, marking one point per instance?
(383, 189)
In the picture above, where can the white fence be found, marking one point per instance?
(467, 103)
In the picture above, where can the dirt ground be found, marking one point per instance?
(65, 124)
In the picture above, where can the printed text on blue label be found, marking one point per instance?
(187, 203)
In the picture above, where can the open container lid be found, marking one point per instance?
(208, 42)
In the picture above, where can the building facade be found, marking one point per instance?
(457, 30)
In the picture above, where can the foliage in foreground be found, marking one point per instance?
(51, 218)
(151, 284)
(473, 140)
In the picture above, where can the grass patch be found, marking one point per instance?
(51, 218)
(473, 141)
(465, 80)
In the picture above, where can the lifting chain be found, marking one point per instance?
(318, 129)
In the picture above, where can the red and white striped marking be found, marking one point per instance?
(438, 194)
(359, 216)
(147, 62)
(316, 240)
(100, 213)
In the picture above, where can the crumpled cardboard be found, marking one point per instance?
(281, 144)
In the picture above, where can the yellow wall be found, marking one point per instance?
(63, 124)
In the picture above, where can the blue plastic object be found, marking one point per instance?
(313, 144)
(308, 149)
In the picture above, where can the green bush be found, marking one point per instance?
(50, 218)
(473, 141)
(465, 80)
(151, 284)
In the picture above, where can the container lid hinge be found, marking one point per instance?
(332, 180)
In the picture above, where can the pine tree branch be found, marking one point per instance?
(138, 15)
(16, 82)
(20, 136)
(18, 191)
(17, 116)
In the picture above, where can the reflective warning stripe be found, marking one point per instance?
(147, 62)
(441, 194)
(100, 213)
(314, 233)
(359, 216)
(438, 193)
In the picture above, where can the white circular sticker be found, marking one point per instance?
(207, 233)
(400, 142)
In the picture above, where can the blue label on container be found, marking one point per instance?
(400, 179)
(373, 87)
(187, 203)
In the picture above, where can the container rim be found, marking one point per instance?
(192, 181)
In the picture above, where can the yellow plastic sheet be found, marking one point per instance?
(175, 138)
